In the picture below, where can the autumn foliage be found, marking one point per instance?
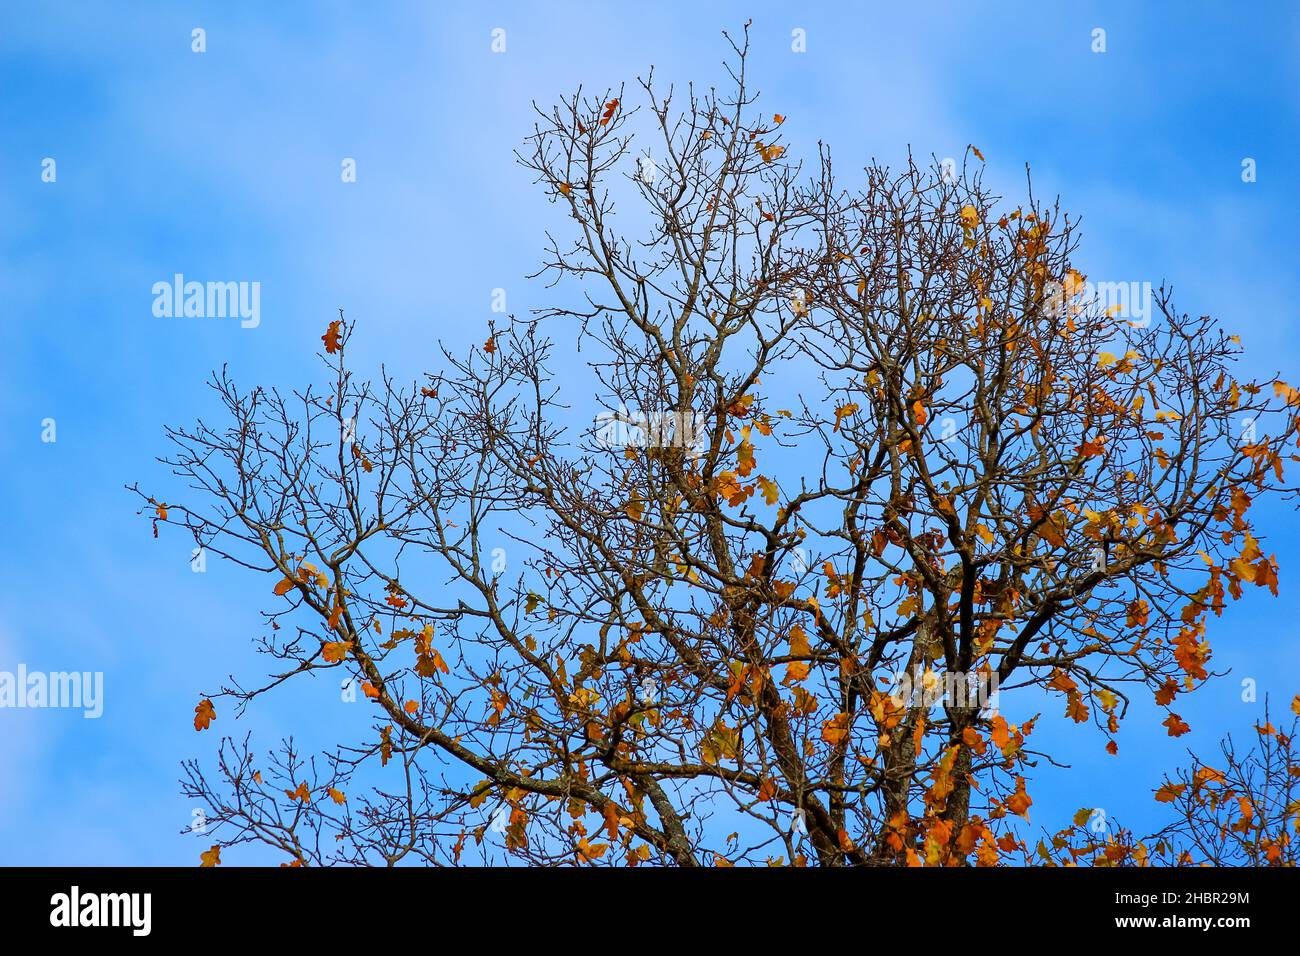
(915, 448)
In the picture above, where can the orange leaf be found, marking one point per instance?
(1177, 726)
(334, 651)
(836, 730)
(331, 337)
(795, 672)
(1209, 775)
(799, 645)
(1019, 802)
(1168, 691)
(1138, 613)
(302, 793)
(1170, 792)
(204, 714)
(1075, 709)
(1000, 733)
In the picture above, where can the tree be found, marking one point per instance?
(867, 456)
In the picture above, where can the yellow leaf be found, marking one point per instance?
(843, 412)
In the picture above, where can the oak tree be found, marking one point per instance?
(801, 482)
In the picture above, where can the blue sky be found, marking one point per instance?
(225, 166)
